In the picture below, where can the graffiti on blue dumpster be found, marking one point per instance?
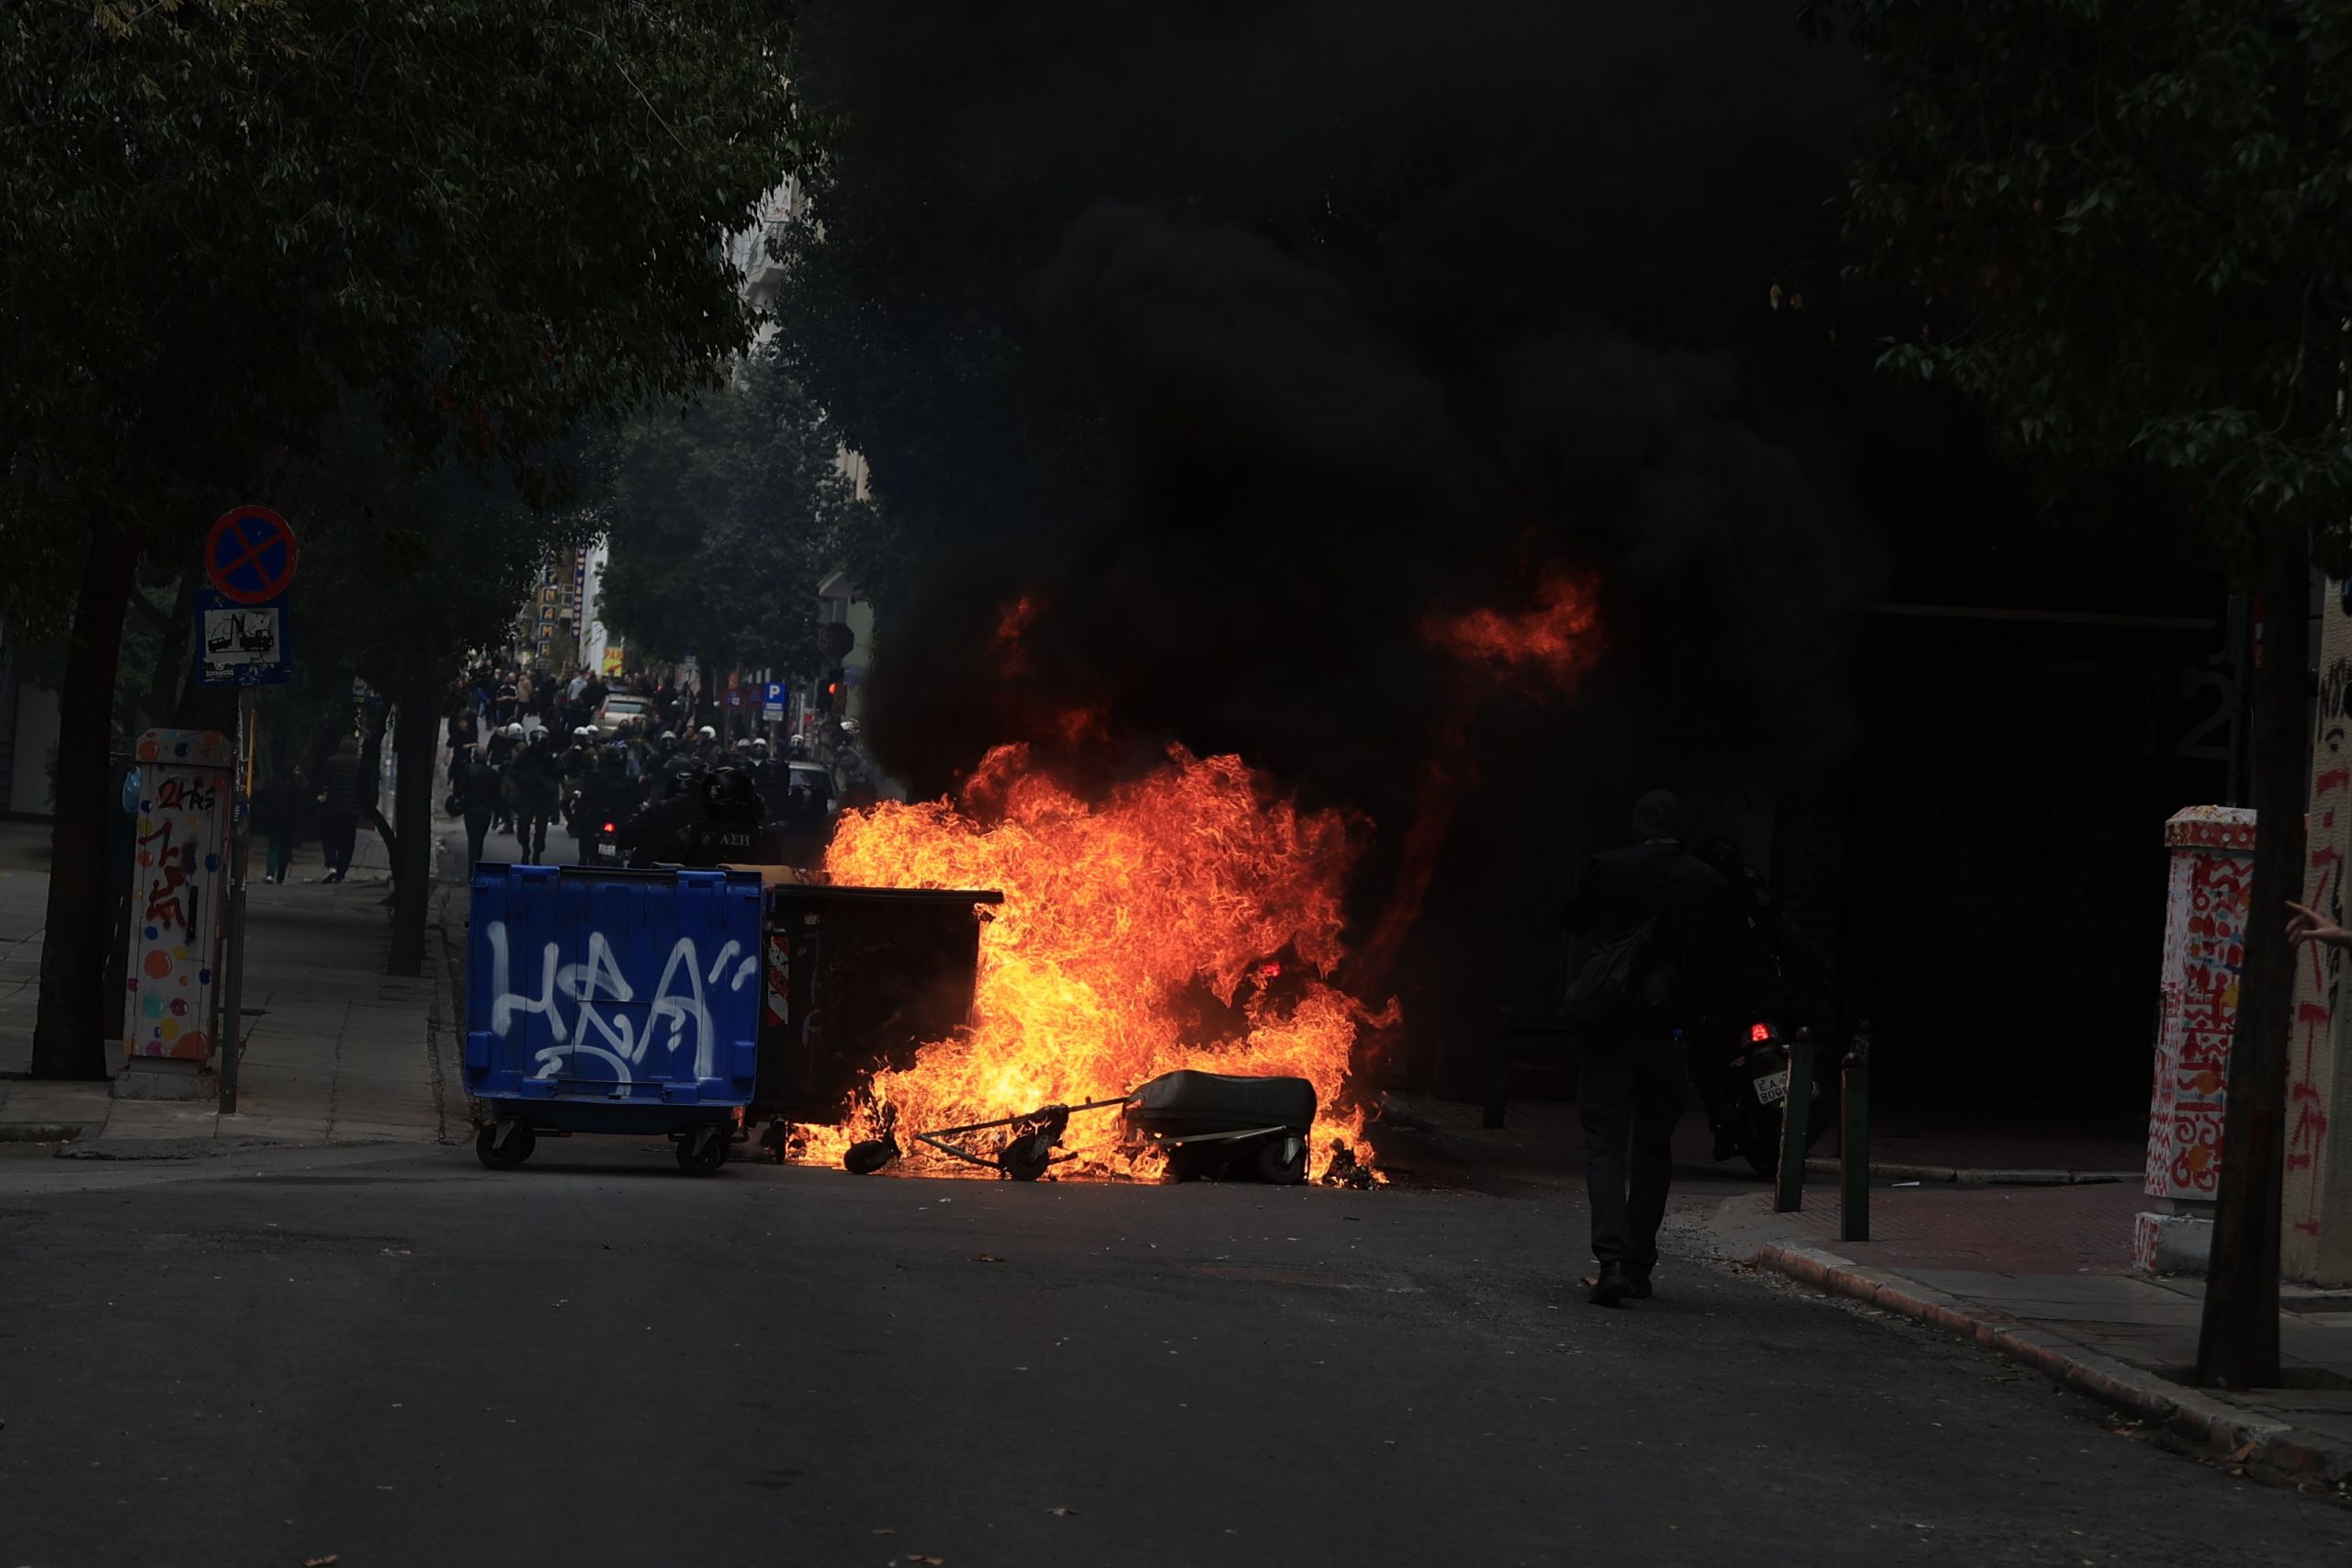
(593, 1012)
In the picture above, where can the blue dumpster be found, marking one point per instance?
(601, 1000)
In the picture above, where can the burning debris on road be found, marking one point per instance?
(1188, 923)
(1188, 1124)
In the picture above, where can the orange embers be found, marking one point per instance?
(1013, 623)
(1190, 918)
(1542, 648)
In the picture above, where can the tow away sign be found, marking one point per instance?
(240, 645)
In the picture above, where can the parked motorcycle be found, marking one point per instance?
(598, 841)
(1742, 1073)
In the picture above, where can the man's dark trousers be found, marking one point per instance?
(338, 837)
(1629, 1095)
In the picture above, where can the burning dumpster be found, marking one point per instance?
(858, 978)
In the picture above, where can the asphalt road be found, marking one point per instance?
(396, 1356)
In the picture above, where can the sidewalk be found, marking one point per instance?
(1541, 1142)
(336, 1051)
(2043, 1274)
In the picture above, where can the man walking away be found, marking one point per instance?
(1652, 909)
(501, 751)
(535, 778)
(464, 730)
(339, 806)
(477, 787)
(275, 806)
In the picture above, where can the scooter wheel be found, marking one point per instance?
(1026, 1157)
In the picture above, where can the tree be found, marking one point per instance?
(418, 574)
(2128, 235)
(492, 219)
(723, 520)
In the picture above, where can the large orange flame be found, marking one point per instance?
(1192, 919)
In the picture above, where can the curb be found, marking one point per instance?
(2188, 1412)
(1974, 1176)
(39, 1131)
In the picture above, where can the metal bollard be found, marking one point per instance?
(1796, 1115)
(1854, 1141)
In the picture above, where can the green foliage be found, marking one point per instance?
(2129, 233)
(723, 520)
(417, 572)
(491, 219)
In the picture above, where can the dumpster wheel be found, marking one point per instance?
(701, 1151)
(504, 1155)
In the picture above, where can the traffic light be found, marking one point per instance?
(829, 695)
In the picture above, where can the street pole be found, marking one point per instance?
(232, 975)
(1854, 1140)
(1796, 1118)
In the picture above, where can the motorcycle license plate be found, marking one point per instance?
(1772, 1087)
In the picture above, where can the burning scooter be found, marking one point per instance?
(1204, 1124)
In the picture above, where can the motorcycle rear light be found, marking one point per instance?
(608, 827)
(1757, 1033)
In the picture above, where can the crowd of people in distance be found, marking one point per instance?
(641, 765)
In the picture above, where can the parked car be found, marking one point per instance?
(618, 709)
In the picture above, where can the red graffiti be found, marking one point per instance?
(164, 908)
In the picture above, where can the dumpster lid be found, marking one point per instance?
(821, 890)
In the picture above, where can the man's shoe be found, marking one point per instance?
(1641, 1289)
(1613, 1286)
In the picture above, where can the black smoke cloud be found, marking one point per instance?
(1243, 337)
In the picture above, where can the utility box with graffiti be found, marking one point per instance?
(2212, 854)
(612, 1001)
(177, 891)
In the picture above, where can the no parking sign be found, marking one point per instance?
(250, 554)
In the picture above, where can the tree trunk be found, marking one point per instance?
(415, 733)
(70, 1029)
(174, 665)
(2237, 1344)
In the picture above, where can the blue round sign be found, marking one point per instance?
(250, 554)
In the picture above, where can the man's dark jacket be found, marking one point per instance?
(1655, 876)
(339, 779)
